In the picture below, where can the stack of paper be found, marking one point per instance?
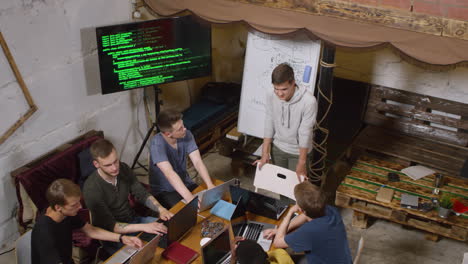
(417, 172)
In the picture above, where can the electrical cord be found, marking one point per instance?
(316, 174)
(8, 251)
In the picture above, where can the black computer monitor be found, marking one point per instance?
(153, 52)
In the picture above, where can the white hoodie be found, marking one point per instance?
(290, 123)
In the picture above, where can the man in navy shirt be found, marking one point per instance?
(319, 231)
(169, 149)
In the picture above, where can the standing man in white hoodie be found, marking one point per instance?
(290, 117)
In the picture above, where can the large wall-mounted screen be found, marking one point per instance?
(153, 52)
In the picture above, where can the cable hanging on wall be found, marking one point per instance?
(317, 166)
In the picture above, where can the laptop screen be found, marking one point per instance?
(217, 248)
(182, 221)
(257, 203)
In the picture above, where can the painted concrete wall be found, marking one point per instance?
(53, 43)
(384, 67)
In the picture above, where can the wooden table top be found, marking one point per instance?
(193, 237)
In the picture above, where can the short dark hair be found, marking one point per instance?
(101, 148)
(167, 118)
(250, 252)
(310, 199)
(282, 73)
(59, 190)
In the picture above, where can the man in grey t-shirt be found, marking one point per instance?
(290, 117)
(169, 149)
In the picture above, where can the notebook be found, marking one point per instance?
(223, 209)
(179, 253)
(218, 249)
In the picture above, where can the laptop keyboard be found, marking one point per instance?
(227, 260)
(147, 237)
(251, 231)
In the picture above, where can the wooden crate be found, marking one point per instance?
(412, 128)
(360, 186)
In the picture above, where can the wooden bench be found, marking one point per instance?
(206, 141)
(412, 129)
(359, 189)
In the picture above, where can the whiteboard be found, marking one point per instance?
(263, 53)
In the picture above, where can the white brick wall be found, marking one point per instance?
(53, 44)
(385, 68)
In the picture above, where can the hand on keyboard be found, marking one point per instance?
(154, 228)
(164, 214)
(269, 233)
(132, 241)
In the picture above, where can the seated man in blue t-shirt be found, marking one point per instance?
(319, 231)
(169, 149)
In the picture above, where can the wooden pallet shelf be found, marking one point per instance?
(359, 189)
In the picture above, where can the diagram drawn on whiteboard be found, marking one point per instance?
(263, 53)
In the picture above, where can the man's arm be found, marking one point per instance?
(293, 225)
(279, 241)
(175, 180)
(266, 149)
(154, 205)
(301, 167)
(152, 228)
(101, 234)
(199, 165)
(305, 135)
(268, 132)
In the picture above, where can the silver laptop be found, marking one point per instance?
(248, 229)
(210, 197)
(129, 255)
(218, 249)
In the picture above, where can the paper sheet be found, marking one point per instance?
(417, 172)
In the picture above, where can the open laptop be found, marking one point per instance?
(210, 197)
(248, 229)
(178, 225)
(259, 204)
(129, 255)
(218, 249)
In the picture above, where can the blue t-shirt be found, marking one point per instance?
(322, 239)
(162, 151)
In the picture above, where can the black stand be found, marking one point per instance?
(157, 108)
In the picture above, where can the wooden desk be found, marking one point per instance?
(193, 237)
(360, 186)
